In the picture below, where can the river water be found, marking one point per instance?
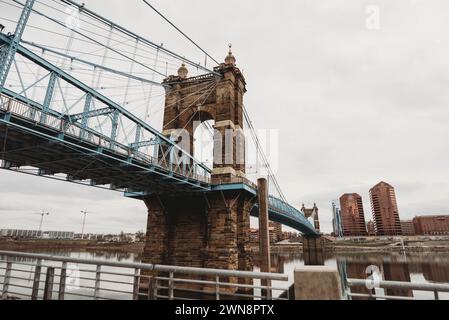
(420, 268)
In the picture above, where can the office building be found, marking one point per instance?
(352, 215)
(385, 210)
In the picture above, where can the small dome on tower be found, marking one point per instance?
(230, 59)
(182, 71)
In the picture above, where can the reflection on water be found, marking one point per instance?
(431, 267)
(389, 271)
(422, 268)
(419, 267)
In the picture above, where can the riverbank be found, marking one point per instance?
(386, 246)
(336, 247)
(371, 246)
(84, 245)
(37, 245)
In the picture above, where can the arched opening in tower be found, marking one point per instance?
(203, 145)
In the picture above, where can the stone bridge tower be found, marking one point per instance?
(312, 213)
(191, 101)
(209, 229)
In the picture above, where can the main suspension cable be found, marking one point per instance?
(179, 30)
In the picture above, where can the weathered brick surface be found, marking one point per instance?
(190, 101)
(210, 231)
(156, 235)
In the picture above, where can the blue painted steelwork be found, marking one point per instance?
(115, 117)
(141, 144)
(278, 210)
(84, 116)
(98, 153)
(103, 99)
(35, 105)
(48, 96)
(282, 212)
(138, 134)
(235, 186)
(8, 52)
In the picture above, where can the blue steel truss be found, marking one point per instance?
(8, 51)
(41, 120)
(282, 212)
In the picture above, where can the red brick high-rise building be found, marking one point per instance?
(385, 210)
(352, 215)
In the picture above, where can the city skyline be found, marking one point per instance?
(28, 216)
(384, 213)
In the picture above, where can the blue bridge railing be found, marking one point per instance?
(282, 212)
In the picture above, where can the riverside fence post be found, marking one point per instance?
(317, 283)
(264, 236)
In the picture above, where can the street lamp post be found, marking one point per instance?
(43, 213)
(84, 223)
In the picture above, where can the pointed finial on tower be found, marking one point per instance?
(182, 71)
(230, 59)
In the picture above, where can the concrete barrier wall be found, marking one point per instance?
(317, 283)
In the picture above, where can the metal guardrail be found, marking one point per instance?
(61, 124)
(46, 277)
(434, 288)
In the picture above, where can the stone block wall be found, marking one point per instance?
(207, 230)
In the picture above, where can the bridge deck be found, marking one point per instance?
(54, 146)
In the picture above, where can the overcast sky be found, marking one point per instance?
(355, 102)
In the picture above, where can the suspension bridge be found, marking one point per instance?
(82, 100)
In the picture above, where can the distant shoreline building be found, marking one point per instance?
(431, 225)
(352, 215)
(371, 229)
(336, 219)
(385, 210)
(408, 228)
(276, 231)
(273, 234)
(348, 219)
(59, 235)
(19, 233)
(35, 234)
